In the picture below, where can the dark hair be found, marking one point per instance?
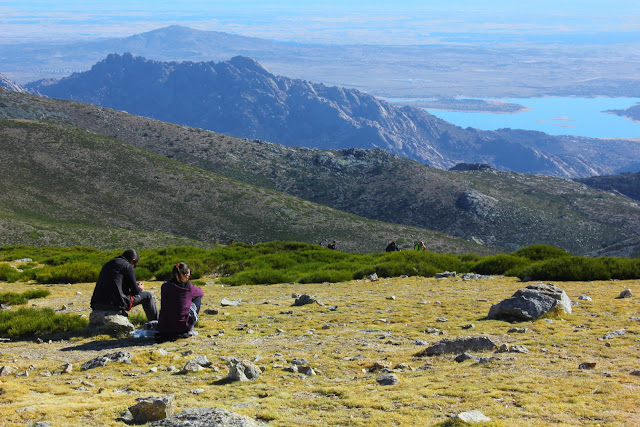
(180, 267)
(130, 255)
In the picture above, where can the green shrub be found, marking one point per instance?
(539, 252)
(78, 272)
(29, 322)
(321, 276)
(143, 273)
(9, 274)
(622, 268)
(499, 264)
(567, 269)
(257, 277)
(13, 298)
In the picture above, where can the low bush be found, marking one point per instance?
(77, 272)
(539, 252)
(500, 264)
(27, 322)
(331, 275)
(567, 269)
(13, 298)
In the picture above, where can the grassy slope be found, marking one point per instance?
(527, 208)
(541, 388)
(59, 174)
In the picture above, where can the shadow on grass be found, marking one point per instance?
(223, 381)
(110, 344)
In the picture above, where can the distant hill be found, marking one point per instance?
(500, 209)
(472, 69)
(58, 182)
(632, 113)
(625, 183)
(241, 98)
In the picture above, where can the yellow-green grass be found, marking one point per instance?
(540, 388)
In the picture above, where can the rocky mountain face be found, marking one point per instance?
(241, 98)
(11, 85)
(501, 209)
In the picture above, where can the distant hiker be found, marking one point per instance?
(392, 247)
(333, 245)
(420, 247)
(118, 290)
(180, 307)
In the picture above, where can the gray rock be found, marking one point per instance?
(299, 361)
(474, 416)
(306, 370)
(119, 356)
(531, 303)
(469, 326)
(110, 322)
(614, 334)
(242, 370)
(208, 417)
(388, 379)
(625, 294)
(473, 276)
(230, 303)
(466, 356)
(585, 298)
(458, 345)
(304, 300)
(41, 424)
(152, 409)
(5, 371)
(446, 274)
(373, 277)
(420, 342)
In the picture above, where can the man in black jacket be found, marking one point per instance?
(118, 290)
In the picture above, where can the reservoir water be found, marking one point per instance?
(555, 116)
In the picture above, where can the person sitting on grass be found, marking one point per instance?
(118, 290)
(180, 305)
(420, 247)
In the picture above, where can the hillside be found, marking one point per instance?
(625, 183)
(59, 174)
(505, 210)
(241, 98)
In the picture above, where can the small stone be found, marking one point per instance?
(197, 391)
(585, 298)
(635, 373)
(230, 303)
(625, 294)
(469, 326)
(67, 368)
(306, 370)
(332, 307)
(212, 311)
(474, 416)
(388, 379)
(287, 312)
(442, 319)
(392, 297)
(420, 342)
(587, 365)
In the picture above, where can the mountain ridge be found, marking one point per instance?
(240, 97)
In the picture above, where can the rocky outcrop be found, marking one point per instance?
(531, 303)
(208, 417)
(458, 345)
(110, 322)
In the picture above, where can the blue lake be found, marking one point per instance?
(555, 116)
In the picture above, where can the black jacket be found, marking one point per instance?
(116, 284)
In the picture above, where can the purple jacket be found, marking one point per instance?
(176, 300)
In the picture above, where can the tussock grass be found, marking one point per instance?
(13, 298)
(30, 322)
(541, 388)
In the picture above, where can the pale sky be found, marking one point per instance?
(315, 21)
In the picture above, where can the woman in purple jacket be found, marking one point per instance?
(180, 304)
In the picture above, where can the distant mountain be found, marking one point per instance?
(11, 85)
(241, 98)
(625, 183)
(61, 185)
(469, 69)
(500, 209)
